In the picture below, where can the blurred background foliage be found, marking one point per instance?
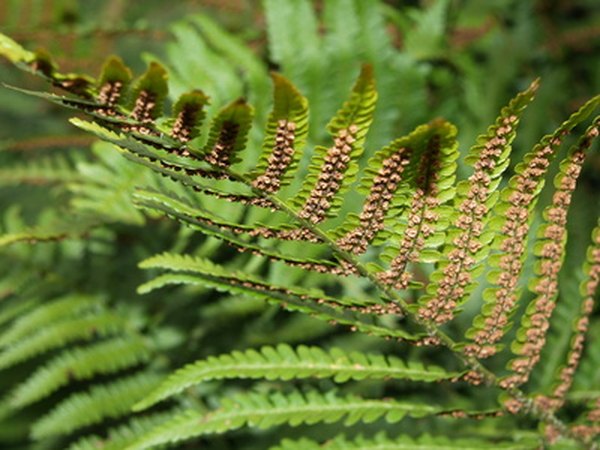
(457, 59)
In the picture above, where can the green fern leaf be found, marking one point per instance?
(265, 411)
(285, 363)
(121, 437)
(41, 171)
(189, 115)
(383, 442)
(206, 273)
(60, 333)
(94, 406)
(46, 314)
(114, 82)
(80, 363)
(148, 94)
(212, 226)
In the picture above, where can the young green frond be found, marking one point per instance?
(58, 334)
(94, 406)
(79, 363)
(262, 411)
(286, 363)
(425, 442)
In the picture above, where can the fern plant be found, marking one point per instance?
(419, 245)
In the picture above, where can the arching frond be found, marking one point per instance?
(80, 363)
(285, 363)
(264, 411)
(383, 442)
(98, 404)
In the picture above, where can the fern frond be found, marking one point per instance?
(424, 442)
(80, 363)
(60, 333)
(148, 94)
(313, 301)
(120, 437)
(14, 309)
(163, 160)
(589, 287)
(417, 227)
(286, 363)
(531, 336)
(41, 171)
(55, 229)
(46, 314)
(466, 242)
(189, 115)
(333, 170)
(227, 232)
(285, 134)
(433, 171)
(425, 39)
(265, 411)
(94, 406)
(294, 45)
(228, 134)
(511, 225)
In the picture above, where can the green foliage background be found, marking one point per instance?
(460, 60)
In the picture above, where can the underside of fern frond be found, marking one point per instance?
(400, 224)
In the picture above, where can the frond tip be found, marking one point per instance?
(333, 169)
(286, 132)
